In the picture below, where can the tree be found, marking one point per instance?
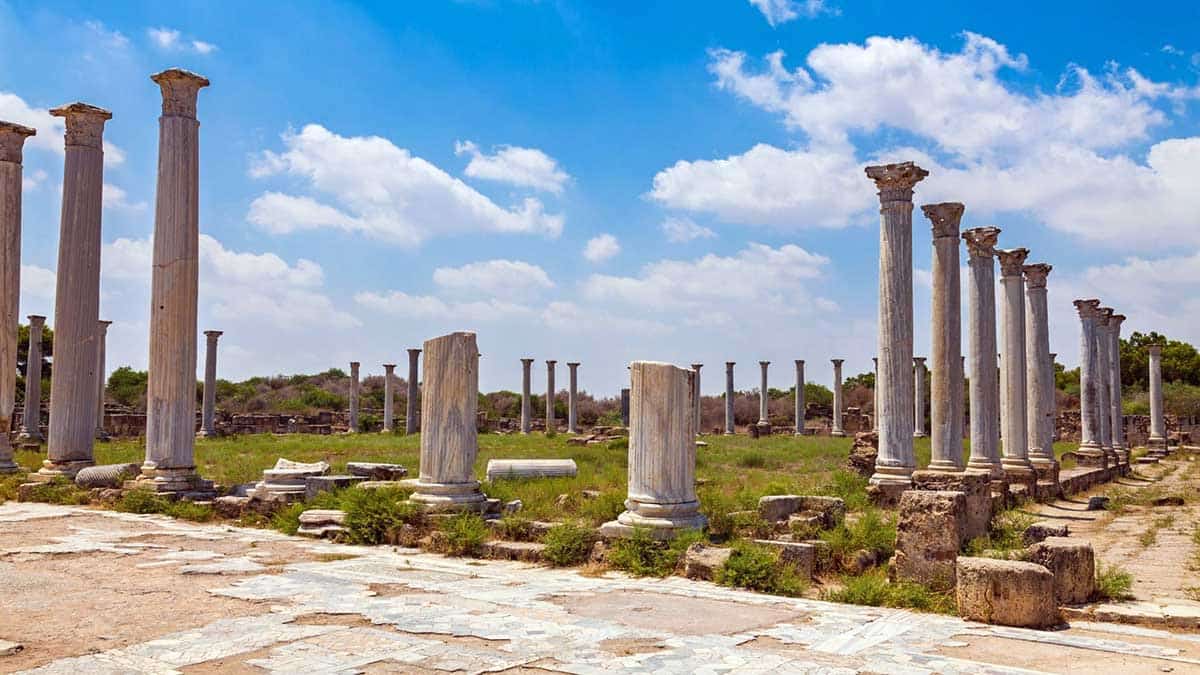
(1180, 361)
(23, 350)
(860, 380)
(127, 386)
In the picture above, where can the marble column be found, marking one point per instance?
(1017, 468)
(1053, 421)
(625, 407)
(526, 403)
(171, 387)
(662, 454)
(1039, 375)
(572, 398)
(837, 399)
(551, 424)
(919, 397)
(946, 385)
(389, 377)
(208, 411)
(353, 421)
(410, 405)
(729, 394)
(101, 357)
(981, 322)
(800, 404)
(1090, 452)
(763, 395)
(696, 367)
(449, 441)
(875, 398)
(12, 142)
(1114, 369)
(895, 463)
(1158, 427)
(77, 294)
(1104, 385)
(31, 423)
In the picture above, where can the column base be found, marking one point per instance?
(1156, 443)
(982, 466)
(1022, 476)
(1090, 456)
(447, 496)
(1048, 488)
(51, 469)
(178, 481)
(940, 467)
(661, 521)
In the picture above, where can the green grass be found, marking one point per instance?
(872, 588)
(148, 501)
(60, 491)
(1113, 583)
(463, 534)
(758, 568)
(568, 544)
(873, 531)
(642, 556)
(1005, 537)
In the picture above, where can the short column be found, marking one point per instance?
(208, 412)
(1104, 385)
(919, 397)
(1090, 452)
(662, 455)
(981, 322)
(411, 424)
(572, 398)
(551, 425)
(1118, 411)
(526, 396)
(1158, 427)
(946, 380)
(800, 405)
(837, 399)
(625, 407)
(1017, 468)
(31, 422)
(1039, 375)
(389, 377)
(12, 142)
(763, 395)
(353, 398)
(101, 357)
(696, 367)
(729, 394)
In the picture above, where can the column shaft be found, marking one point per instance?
(800, 405)
(625, 407)
(1038, 370)
(551, 425)
(526, 403)
(12, 141)
(1104, 385)
(1158, 427)
(389, 377)
(353, 421)
(1118, 412)
(696, 367)
(981, 318)
(1016, 448)
(919, 371)
(946, 385)
(1089, 427)
(762, 395)
(410, 405)
(31, 423)
(729, 394)
(101, 357)
(572, 399)
(837, 399)
(208, 412)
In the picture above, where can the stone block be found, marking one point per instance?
(322, 523)
(524, 551)
(1042, 529)
(376, 470)
(315, 485)
(929, 533)
(702, 561)
(106, 475)
(1006, 592)
(801, 556)
(1073, 564)
(230, 507)
(775, 508)
(379, 484)
(975, 488)
(823, 556)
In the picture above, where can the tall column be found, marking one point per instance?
(208, 411)
(919, 397)
(12, 142)
(77, 294)
(1158, 427)
(981, 321)
(1039, 376)
(31, 423)
(449, 440)
(1017, 467)
(410, 406)
(895, 463)
(1090, 452)
(837, 399)
(572, 400)
(1053, 417)
(800, 405)
(551, 425)
(729, 398)
(353, 421)
(1118, 412)
(662, 454)
(1104, 385)
(101, 357)
(763, 395)
(875, 397)
(625, 407)
(171, 387)
(389, 377)
(946, 385)
(696, 367)
(526, 403)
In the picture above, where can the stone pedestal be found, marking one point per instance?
(353, 421)
(662, 455)
(799, 397)
(1090, 452)
(919, 397)
(572, 399)
(977, 494)
(985, 385)
(837, 429)
(930, 530)
(389, 395)
(12, 141)
(101, 357)
(526, 396)
(208, 413)
(1158, 427)
(945, 387)
(729, 394)
(31, 421)
(551, 424)
(410, 405)
(449, 442)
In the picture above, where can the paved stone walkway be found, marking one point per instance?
(90, 591)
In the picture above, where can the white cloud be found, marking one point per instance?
(405, 305)
(523, 167)
(568, 317)
(1172, 50)
(601, 248)
(494, 278)
(31, 180)
(782, 11)
(165, 38)
(382, 191)
(116, 198)
(680, 230)
(37, 291)
(170, 39)
(111, 39)
(202, 47)
(50, 129)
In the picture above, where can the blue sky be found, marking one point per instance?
(605, 182)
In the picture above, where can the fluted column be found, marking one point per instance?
(1012, 283)
(800, 409)
(12, 142)
(762, 395)
(353, 421)
(696, 367)
(1053, 419)
(1089, 410)
(729, 394)
(31, 423)
(208, 411)
(919, 397)
(77, 294)
(945, 387)
(875, 397)
(572, 400)
(662, 454)
(1158, 427)
(1039, 374)
(389, 377)
(625, 407)
(526, 403)
(551, 425)
(410, 406)
(1114, 369)
(101, 357)
(837, 399)
(895, 462)
(1104, 384)
(981, 321)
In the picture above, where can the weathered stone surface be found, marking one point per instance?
(230, 507)
(106, 475)
(321, 523)
(9, 648)
(1073, 564)
(863, 453)
(702, 561)
(376, 470)
(1043, 529)
(981, 321)
(1097, 503)
(976, 488)
(524, 551)
(1006, 592)
(314, 485)
(530, 468)
(929, 533)
(801, 556)
(379, 484)
(827, 511)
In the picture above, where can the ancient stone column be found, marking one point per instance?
(77, 294)
(1017, 467)
(208, 411)
(625, 407)
(919, 397)
(895, 463)
(1039, 374)
(946, 385)
(31, 431)
(1158, 427)
(101, 357)
(763, 396)
(353, 398)
(981, 322)
(662, 454)
(1053, 417)
(389, 375)
(729, 398)
(800, 409)
(837, 399)
(449, 441)
(1090, 452)
(696, 367)
(1114, 369)
(572, 400)
(410, 406)
(526, 405)
(12, 142)
(551, 425)
(1104, 384)
(875, 398)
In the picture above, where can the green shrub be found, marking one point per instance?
(752, 460)
(148, 501)
(618, 443)
(758, 568)
(873, 589)
(717, 507)
(1113, 583)
(568, 544)
(287, 519)
(516, 528)
(371, 515)
(60, 490)
(1005, 538)
(603, 508)
(850, 487)
(463, 534)
(873, 531)
(643, 556)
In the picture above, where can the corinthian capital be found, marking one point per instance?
(1103, 314)
(1088, 309)
(981, 241)
(896, 181)
(12, 140)
(179, 90)
(1035, 274)
(85, 123)
(1011, 260)
(945, 218)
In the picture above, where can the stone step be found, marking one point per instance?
(524, 551)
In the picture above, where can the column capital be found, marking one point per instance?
(179, 90)
(104, 325)
(413, 350)
(799, 362)
(36, 319)
(1011, 260)
(389, 367)
(1053, 355)
(837, 362)
(981, 241)
(527, 361)
(1116, 320)
(697, 366)
(213, 334)
(85, 123)
(12, 140)
(730, 364)
(1087, 308)
(764, 364)
(918, 360)
(945, 218)
(354, 365)
(896, 181)
(1035, 274)
(550, 363)
(1103, 314)
(572, 364)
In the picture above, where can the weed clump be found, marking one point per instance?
(873, 589)
(1113, 583)
(872, 531)
(643, 556)
(463, 534)
(60, 491)
(568, 544)
(758, 568)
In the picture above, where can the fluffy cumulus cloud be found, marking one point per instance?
(368, 185)
(494, 278)
(523, 167)
(172, 40)
(682, 229)
(601, 248)
(781, 11)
